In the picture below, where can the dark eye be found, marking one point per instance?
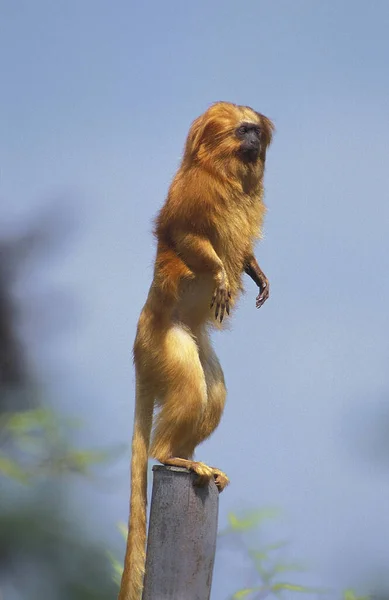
(242, 130)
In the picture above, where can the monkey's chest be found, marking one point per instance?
(235, 240)
(239, 227)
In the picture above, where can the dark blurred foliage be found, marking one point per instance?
(13, 370)
(23, 250)
(45, 550)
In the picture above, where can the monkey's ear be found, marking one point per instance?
(195, 136)
(268, 127)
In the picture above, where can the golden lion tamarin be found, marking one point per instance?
(205, 232)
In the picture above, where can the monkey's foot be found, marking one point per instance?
(219, 477)
(204, 473)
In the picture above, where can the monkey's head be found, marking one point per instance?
(228, 134)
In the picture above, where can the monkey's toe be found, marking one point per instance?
(221, 479)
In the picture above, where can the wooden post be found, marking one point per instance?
(182, 537)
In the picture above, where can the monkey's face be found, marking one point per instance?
(227, 132)
(251, 140)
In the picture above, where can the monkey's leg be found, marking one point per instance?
(183, 403)
(216, 397)
(217, 392)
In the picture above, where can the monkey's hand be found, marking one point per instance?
(258, 276)
(221, 296)
(264, 291)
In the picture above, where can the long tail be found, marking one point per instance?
(134, 563)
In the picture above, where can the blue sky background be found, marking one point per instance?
(96, 100)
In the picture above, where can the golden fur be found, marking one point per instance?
(205, 232)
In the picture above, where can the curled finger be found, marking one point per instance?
(223, 307)
(217, 310)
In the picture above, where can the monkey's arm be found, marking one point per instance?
(200, 256)
(253, 269)
(198, 253)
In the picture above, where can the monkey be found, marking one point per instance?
(205, 234)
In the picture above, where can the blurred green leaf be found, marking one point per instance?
(251, 519)
(259, 556)
(275, 546)
(39, 438)
(116, 565)
(351, 595)
(244, 593)
(123, 528)
(11, 469)
(117, 568)
(78, 461)
(28, 420)
(292, 587)
(292, 567)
